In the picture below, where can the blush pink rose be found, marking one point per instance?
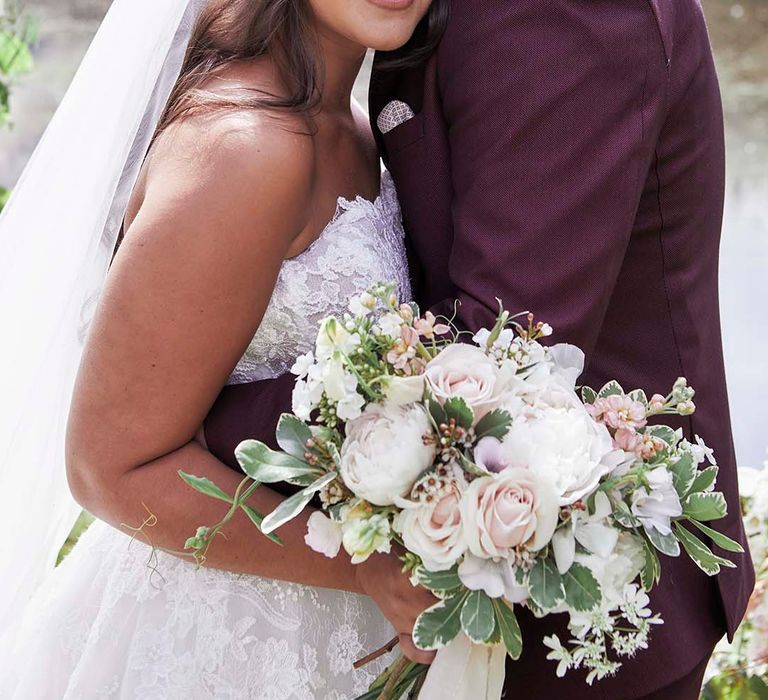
(467, 372)
(514, 508)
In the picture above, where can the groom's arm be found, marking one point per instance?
(247, 411)
(553, 109)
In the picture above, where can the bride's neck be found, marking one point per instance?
(340, 62)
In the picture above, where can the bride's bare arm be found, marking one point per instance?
(224, 204)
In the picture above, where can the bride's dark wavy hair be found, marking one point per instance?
(228, 31)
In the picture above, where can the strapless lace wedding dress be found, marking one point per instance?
(116, 620)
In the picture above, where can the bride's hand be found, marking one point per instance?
(401, 602)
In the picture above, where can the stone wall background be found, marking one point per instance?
(738, 31)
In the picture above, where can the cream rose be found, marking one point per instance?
(467, 372)
(511, 509)
(432, 528)
(384, 452)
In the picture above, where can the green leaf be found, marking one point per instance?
(588, 395)
(639, 395)
(610, 389)
(510, 630)
(292, 436)
(705, 506)
(269, 467)
(624, 516)
(15, 56)
(458, 409)
(494, 424)
(705, 480)
(292, 506)
(582, 591)
(205, 486)
(439, 625)
(438, 581)
(663, 432)
(437, 412)
(719, 539)
(471, 467)
(546, 584)
(477, 618)
(666, 544)
(257, 519)
(684, 472)
(651, 571)
(5, 194)
(702, 555)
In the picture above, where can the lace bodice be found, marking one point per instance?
(362, 245)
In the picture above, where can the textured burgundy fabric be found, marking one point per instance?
(567, 156)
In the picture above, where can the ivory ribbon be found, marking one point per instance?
(464, 670)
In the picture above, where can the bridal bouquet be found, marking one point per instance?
(503, 486)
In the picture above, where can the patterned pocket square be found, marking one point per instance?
(394, 114)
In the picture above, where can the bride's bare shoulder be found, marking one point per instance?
(238, 147)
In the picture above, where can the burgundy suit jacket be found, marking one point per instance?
(567, 156)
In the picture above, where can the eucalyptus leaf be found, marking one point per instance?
(257, 519)
(494, 424)
(269, 467)
(546, 584)
(705, 506)
(292, 506)
(292, 436)
(582, 591)
(719, 539)
(439, 625)
(205, 486)
(702, 555)
(506, 622)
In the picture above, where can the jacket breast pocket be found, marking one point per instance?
(404, 135)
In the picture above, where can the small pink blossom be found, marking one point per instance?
(618, 411)
(403, 351)
(657, 402)
(644, 446)
(428, 327)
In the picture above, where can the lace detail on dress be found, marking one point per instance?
(119, 621)
(363, 244)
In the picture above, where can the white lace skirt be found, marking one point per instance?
(116, 621)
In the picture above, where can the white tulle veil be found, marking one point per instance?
(57, 236)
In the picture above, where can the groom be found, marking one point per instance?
(567, 156)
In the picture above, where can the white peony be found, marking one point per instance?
(466, 372)
(384, 452)
(553, 435)
(323, 535)
(432, 528)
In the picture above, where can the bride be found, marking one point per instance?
(256, 207)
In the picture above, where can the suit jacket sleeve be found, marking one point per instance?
(552, 110)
